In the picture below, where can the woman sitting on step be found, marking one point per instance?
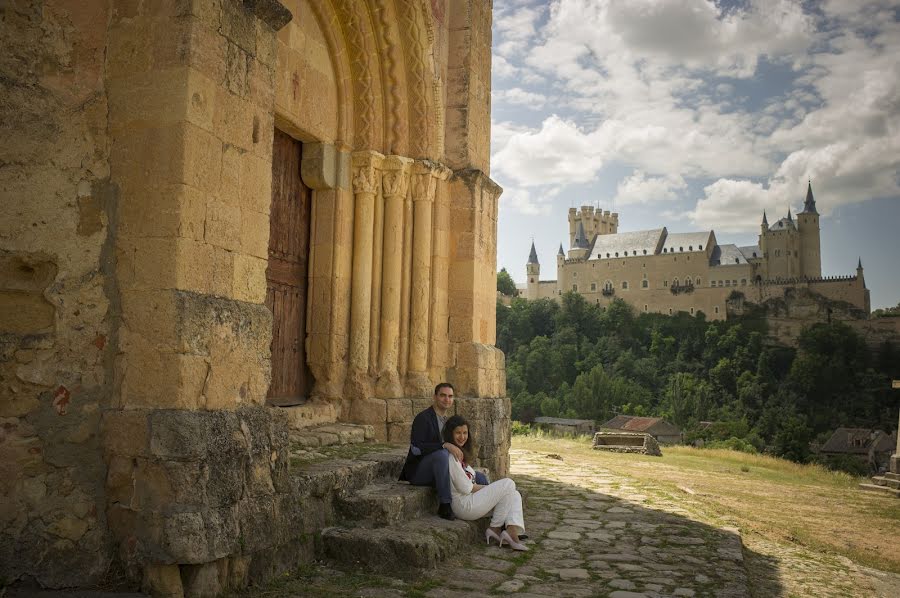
(472, 501)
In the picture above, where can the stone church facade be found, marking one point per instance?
(656, 271)
(219, 216)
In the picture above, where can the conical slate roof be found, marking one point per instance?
(765, 220)
(561, 252)
(532, 257)
(809, 206)
(581, 241)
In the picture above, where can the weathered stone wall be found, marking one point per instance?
(57, 296)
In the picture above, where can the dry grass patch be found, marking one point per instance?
(782, 501)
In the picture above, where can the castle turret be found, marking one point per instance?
(581, 245)
(808, 225)
(533, 269)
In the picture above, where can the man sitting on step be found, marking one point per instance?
(427, 463)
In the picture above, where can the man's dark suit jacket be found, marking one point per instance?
(424, 438)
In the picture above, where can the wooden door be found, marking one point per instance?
(286, 276)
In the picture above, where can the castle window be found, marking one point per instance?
(727, 283)
(575, 287)
(698, 281)
(743, 282)
(690, 247)
(754, 254)
(777, 253)
(645, 252)
(681, 249)
(665, 250)
(532, 280)
(574, 274)
(737, 260)
(692, 311)
(734, 283)
(625, 284)
(670, 311)
(688, 258)
(716, 308)
(675, 282)
(593, 286)
(665, 283)
(617, 254)
(645, 308)
(607, 254)
(645, 284)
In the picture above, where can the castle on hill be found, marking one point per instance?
(661, 272)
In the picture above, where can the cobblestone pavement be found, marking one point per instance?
(595, 533)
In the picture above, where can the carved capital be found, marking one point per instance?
(365, 171)
(424, 179)
(395, 176)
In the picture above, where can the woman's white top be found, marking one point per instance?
(460, 483)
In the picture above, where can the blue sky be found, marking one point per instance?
(699, 115)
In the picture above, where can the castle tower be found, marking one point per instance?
(581, 245)
(533, 269)
(808, 225)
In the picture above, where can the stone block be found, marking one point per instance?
(159, 485)
(223, 225)
(201, 163)
(183, 537)
(163, 581)
(119, 481)
(177, 434)
(250, 278)
(399, 410)
(255, 234)
(201, 581)
(256, 518)
(225, 480)
(258, 477)
(319, 166)
(368, 411)
(126, 433)
(398, 432)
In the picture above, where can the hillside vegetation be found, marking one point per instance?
(575, 359)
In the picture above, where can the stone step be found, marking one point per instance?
(891, 476)
(312, 413)
(386, 503)
(882, 489)
(422, 543)
(331, 434)
(886, 482)
(342, 476)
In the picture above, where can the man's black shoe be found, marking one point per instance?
(446, 512)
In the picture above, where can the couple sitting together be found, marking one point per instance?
(440, 450)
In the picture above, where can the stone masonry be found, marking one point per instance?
(136, 323)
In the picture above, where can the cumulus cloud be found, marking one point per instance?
(661, 86)
(557, 153)
(523, 201)
(520, 97)
(641, 189)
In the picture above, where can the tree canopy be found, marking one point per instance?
(576, 359)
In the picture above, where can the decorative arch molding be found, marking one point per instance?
(390, 99)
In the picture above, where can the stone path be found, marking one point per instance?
(595, 533)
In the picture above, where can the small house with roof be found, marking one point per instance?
(660, 429)
(872, 447)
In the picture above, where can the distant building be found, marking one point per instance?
(662, 272)
(872, 447)
(660, 429)
(560, 425)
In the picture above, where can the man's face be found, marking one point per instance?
(443, 400)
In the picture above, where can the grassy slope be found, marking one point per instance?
(782, 501)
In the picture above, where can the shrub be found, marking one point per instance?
(734, 444)
(520, 429)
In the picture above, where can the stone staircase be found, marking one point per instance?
(370, 519)
(889, 483)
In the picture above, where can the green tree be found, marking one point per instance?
(505, 284)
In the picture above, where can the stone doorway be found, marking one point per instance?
(287, 274)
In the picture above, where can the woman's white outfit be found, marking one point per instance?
(501, 496)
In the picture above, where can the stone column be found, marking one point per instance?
(365, 187)
(424, 183)
(395, 182)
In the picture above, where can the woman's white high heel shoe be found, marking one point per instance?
(490, 534)
(505, 537)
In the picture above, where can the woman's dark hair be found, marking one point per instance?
(453, 423)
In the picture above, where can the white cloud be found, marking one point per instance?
(501, 67)
(638, 188)
(520, 97)
(524, 201)
(656, 85)
(558, 153)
